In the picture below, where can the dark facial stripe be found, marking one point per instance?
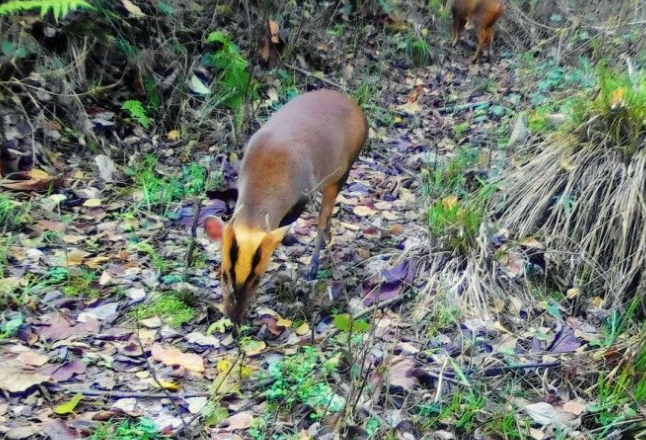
(234, 259)
(255, 261)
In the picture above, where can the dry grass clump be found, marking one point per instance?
(583, 194)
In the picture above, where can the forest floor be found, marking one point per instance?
(116, 338)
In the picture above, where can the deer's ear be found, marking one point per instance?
(214, 228)
(277, 235)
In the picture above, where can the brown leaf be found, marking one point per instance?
(399, 373)
(58, 328)
(34, 180)
(172, 356)
(33, 359)
(15, 379)
(64, 372)
(243, 420)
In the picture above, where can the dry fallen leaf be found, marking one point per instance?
(172, 356)
(33, 359)
(398, 373)
(34, 180)
(363, 211)
(173, 135)
(239, 421)
(14, 379)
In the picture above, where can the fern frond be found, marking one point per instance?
(137, 111)
(59, 8)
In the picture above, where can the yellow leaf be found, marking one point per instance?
(282, 322)
(303, 329)
(97, 262)
(224, 365)
(598, 302)
(617, 98)
(450, 201)
(167, 385)
(68, 407)
(39, 174)
(133, 9)
(92, 203)
(572, 293)
(79, 175)
(173, 135)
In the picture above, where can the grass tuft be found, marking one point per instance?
(583, 192)
(171, 308)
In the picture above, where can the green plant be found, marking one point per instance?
(169, 307)
(461, 130)
(460, 411)
(234, 80)
(158, 261)
(417, 49)
(141, 429)
(59, 8)
(295, 382)
(154, 189)
(137, 111)
(459, 207)
(13, 214)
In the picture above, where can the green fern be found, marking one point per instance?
(59, 8)
(137, 111)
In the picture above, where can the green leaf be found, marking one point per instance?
(343, 322)
(165, 8)
(8, 48)
(68, 407)
(10, 327)
(361, 326)
(219, 326)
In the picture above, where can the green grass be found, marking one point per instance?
(417, 49)
(82, 285)
(141, 429)
(459, 412)
(170, 308)
(156, 191)
(12, 214)
(459, 206)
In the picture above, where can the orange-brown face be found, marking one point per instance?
(245, 256)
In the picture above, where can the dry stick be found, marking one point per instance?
(308, 73)
(193, 242)
(153, 374)
(124, 394)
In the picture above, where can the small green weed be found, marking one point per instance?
(460, 412)
(83, 285)
(169, 307)
(461, 130)
(301, 379)
(417, 49)
(142, 429)
(59, 8)
(137, 111)
(12, 214)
